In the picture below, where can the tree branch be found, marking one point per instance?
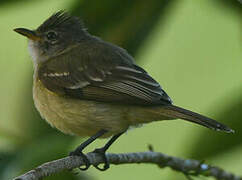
(188, 167)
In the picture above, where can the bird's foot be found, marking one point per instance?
(78, 152)
(101, 151)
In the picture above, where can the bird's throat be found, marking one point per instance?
(36, 54)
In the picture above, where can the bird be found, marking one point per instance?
(87, 87)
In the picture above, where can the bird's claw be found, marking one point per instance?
(84, 157)
(101, 151)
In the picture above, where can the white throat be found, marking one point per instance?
(35, 53)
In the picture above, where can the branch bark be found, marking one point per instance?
(188, 167)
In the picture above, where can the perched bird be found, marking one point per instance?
(85, 86)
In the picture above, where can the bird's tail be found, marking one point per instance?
(180, 113)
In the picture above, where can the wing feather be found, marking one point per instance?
(95, 74)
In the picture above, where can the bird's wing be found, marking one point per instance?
(104, 73)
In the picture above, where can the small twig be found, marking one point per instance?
(188, 167)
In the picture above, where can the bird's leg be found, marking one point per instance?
(79, 149)
(103, 150)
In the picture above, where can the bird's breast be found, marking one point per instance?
(85, 118)
(78, 117)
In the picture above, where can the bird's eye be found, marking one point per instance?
(52, 36)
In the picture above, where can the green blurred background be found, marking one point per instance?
(193, 48)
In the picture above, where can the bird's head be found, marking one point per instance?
(56, 35)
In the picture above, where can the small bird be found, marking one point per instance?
(87, 87)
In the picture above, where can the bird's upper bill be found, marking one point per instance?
(28, 33)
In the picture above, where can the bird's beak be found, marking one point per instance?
(28, 33)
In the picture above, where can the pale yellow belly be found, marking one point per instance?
(85, 118)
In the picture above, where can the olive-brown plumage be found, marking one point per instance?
(86, 86)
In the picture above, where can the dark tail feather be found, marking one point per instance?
(181, 113)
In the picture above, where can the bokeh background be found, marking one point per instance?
(193, 48)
